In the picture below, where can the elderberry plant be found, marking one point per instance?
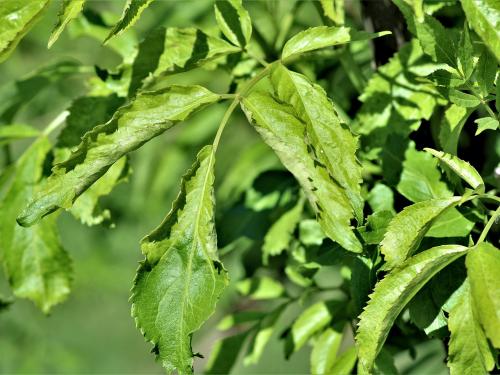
(359, 178)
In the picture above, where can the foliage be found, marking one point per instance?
(367, 208)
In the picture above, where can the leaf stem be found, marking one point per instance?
(58, 121)
(488, 226)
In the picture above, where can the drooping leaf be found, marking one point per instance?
(392, 294)
(263, 332)
(451, 127)
(487, 68)
(149, 115)
(37, 265)
(173, 50)
(285, 133)
(69, 9)
(16, 19)
(483, 268)
(329, 142)
(181, 279)
(225, 353)
(323, 36)
(486, 123)
(234, 21)
(345, 362)
(462, 168)
(280, 234)
(324, 351)
(13, 132)
(468, 351)
(312, 320)
(130, 15)
(408, 227)
(484, 16)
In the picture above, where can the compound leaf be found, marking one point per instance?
(285, 133)
(37, 265)
(392, 294)
(409, 226)
(147, 116)
(484, 16)
(483, 268)
(468, 352)
(463, 169)
(130, 15)
(69, 9)
(16, 19)
(179, 283)
(234, 21)
(330, 143)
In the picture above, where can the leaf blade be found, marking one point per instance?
(234, 21)
(70, 9)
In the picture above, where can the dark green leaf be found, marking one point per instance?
(225, 353)
(181, 279)
(149, 115)
(391, 296)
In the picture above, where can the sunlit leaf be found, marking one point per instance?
(130, 15)
(234, 21)
(69, 9)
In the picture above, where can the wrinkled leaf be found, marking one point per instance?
(149, 115)
(392, 294)
(181, 279)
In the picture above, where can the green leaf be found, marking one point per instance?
(16, 19)
(260, 288)
(5, 303)
(329, 142)
(280, 234)
(263, 332)
(225, 354)
(450, 129)
(285, 133)
(149, 115)
(310, 232)
(468, 352)
(37, 266)
(462, 168)
(381, 198)
(451, 223)
(175, 50)
(436, 41)
(421, 179)
(345, 362)
(234, 21)
(486, 123)
(465, 52)
(130, 15)
(392, 294)
(408, 227)
(323, 36)
(486, 70)
(325, 350)
(14, 132)
(484, 16)
(69, 9)
(241, 317)
(312, 320)
(334, 9)
(178, 284)
(463, 99)
(483, 268)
